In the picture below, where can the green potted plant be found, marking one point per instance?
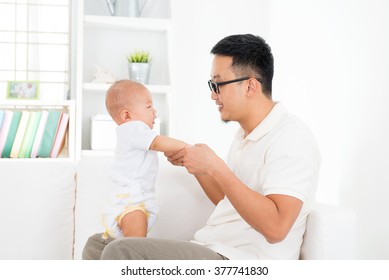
(139, 63)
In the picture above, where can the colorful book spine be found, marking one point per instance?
(28, 140)
(20, 134)
(59, 141)
(49, 134)
(5, 129)
(11, 134)
(1, 118)
(39, 134)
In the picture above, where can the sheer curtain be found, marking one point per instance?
(35, 45)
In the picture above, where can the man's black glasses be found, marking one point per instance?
(215, 86)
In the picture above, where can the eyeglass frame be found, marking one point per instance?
(213, 86)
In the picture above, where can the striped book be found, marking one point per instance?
(20, 134)
(28, 140)
(8, 115)
(49, 134)
(2, 113)
(59, 141)
(39, 134)
(11, 134)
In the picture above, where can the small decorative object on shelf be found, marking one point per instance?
(103, 76)
(139, 64)
(22, 90)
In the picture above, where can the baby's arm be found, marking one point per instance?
(166, 144)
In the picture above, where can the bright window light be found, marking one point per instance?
(35, 45)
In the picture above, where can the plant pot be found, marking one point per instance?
(139, 72)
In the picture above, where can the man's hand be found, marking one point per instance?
(175, 158)
(200, 159)
(197, 160)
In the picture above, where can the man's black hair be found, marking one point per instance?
(251, 56)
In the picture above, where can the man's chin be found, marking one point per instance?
(225, 120)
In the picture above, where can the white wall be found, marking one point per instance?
(331, 69)
(198, 25)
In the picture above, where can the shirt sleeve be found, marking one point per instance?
(137, 134)
(292, 166)
(144, 136)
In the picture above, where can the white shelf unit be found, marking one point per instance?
(68, 106)
(102, 88)
(105, 41)
(128, 23)
(90, 153)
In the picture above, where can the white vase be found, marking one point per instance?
(139, 72)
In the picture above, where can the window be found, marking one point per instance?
(35, 45)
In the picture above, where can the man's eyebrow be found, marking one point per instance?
(215, 77)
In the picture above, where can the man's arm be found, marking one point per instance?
(211, 188)
(272, 215)
(166, 144)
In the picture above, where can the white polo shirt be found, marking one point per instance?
(279, 156)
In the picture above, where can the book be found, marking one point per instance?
(49, 134)
(29, 136)
(1, 118)
(20, 134)
(39, 134)
(5, 129)
(11, 134)
(59, 141)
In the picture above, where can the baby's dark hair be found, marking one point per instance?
(251, 56)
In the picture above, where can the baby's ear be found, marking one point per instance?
(125, 115)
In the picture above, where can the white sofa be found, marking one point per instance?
(48, 211)
(36, 209)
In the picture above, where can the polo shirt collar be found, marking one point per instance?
(270, 121)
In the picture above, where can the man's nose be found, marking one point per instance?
(214, 95)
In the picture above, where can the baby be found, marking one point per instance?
(132, 209)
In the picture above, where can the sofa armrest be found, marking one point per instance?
(330, 233)
(36, 209)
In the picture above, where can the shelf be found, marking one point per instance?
(63, 159)
(128, 23)
(155, 89)
(14, 103)
(96, 153)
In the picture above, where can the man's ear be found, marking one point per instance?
(253, 87)
(125, 115)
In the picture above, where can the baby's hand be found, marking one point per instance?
(176, 158)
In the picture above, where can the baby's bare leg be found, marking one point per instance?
(134, 224)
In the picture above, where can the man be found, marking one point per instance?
(264, 191)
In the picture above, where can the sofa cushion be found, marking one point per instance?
(36, 209)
